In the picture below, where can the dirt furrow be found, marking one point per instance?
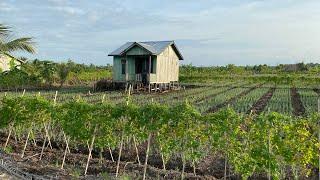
(259, 106)
(231, 100)
(298, 109)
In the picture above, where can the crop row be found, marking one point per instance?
(268, 143)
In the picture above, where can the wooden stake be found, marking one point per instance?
(137, 151)
(225, 160)
(65, 151)
(111, 154)
(269, 149)
(25, 145)
(101, 156)
(90, 151)
(55, 98)
(88, 146)
(103, 98)
(47, 134)
(183, 166)
(163, 162)
(8, 138)
(43, 146)
(119, 157)
(147, 155)
(65, 139)
(225, 168)
(34, 140)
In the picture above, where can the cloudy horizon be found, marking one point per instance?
(207, 32)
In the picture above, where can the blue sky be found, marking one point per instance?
(208, 32)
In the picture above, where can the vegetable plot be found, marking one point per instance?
(270, 143)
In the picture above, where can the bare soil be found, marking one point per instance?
(260, 105)
(298, 108)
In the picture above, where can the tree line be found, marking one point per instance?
(51, 74)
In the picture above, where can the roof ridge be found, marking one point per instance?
(154, 47)
(157, 41)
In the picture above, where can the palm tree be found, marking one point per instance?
(8, 45)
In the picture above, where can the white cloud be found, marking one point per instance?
(70, 10)
(6, 7)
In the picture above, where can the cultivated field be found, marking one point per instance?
(243, 97)
(202, 131)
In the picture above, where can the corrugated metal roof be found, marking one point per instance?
(154, 47)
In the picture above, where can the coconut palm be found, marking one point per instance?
(8, 45)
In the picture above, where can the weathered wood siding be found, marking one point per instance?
(117, 71)
(167, 66)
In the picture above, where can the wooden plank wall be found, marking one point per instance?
(167, 66)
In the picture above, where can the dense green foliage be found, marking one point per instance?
(281, 74)
(47, 74)
(268, 143)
